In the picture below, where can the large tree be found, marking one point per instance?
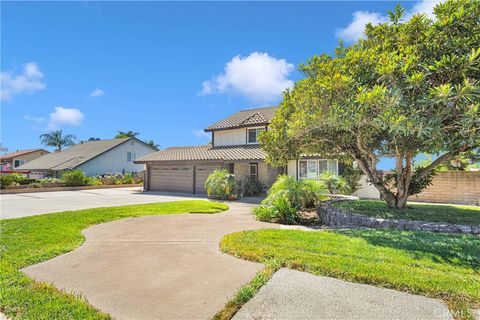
(408, 87)
(57, 139)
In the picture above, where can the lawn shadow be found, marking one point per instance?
(459, 250)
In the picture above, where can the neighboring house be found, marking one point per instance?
(92, 157)
(12, 161)
(234, 146)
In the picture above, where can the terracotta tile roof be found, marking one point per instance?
(19, 153)
(245, 118)
(202, 153)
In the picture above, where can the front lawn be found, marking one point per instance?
(457, 214)
(30, 240)
(435, 265)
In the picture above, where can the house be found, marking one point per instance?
(13, 160)
(93, 158)
(234, 146)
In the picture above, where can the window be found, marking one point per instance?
(312, 169)
(253, 135)
(231, 168)
(18, 163)
(129, 157)
(254, 171)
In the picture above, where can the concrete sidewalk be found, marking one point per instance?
(292, 294)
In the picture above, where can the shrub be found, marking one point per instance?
(92, 181)
(248, 187)
(281, 211)
(11, 179)
(334, 183)
(127, 179)
(220, 184)
(74, 178)
(352, 176)
(49, 180)
(300, 194)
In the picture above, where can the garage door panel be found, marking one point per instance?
(171, 178)
(201, 175)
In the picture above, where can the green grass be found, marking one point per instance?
(436, 265)
(30, 240)
(469, 215)
(247, 291)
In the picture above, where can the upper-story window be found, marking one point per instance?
(253, 134)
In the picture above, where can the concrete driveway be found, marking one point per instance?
(29, 204)
(156, 267)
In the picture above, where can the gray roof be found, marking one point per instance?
(73, 156)
(205, 153)
(245, 118)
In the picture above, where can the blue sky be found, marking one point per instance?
(164, 69)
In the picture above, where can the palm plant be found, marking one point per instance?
(301, 194)
(57, 139)
(126, 134)
(220, 184)
(333, 182)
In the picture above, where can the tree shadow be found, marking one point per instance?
(458, 250)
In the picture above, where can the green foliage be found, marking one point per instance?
(11, 179)
(220, 184)
(57, 139)
(280, 211)
(126, 134)
(74, 178)
(409, 87)
(300, 194)
(30, 240)
(352, 176)
(334, 183)
(248, 187)
(49, 180)
(435, 265)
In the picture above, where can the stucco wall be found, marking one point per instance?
(115, 160)
(367, 190)
(266, 174)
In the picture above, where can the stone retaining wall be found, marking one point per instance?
(335, 217)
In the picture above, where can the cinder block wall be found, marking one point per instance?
(460, 187)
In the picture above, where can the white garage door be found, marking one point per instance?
(201, 175)
(171, 178)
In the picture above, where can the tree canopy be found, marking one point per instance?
(57, 139)
(126, 134)
(407, 87)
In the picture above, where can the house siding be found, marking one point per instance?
(230, 137)
(115, 160)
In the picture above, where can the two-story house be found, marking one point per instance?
(234, 146)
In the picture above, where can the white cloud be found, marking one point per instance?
(34, 119)
(30, 80)
(258, 76)
(355, 29)
(200, 134)
(68, 116)
(97, 93)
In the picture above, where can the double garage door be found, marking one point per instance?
(190, 179)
